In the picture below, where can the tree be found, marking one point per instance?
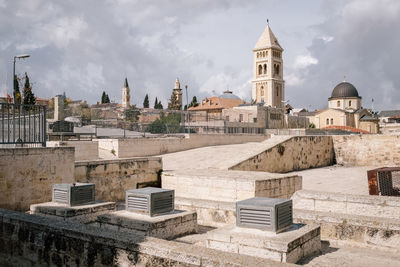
(194, 102)
(166, 124)
(104, 98)
(29, 97)
(146, 103)
(17, 93)
(173, 103)
(157, 104)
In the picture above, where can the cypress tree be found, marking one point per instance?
(146, 101)
(29, 97)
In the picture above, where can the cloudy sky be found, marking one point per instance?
(86, 47)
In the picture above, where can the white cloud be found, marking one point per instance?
(303, 61)
(293, 79)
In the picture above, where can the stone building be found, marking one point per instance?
(126, 96)
(344, 110)
(268, 86)
(175, 102)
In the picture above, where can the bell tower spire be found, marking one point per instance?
(268, 85)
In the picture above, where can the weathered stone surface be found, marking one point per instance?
(288, 246)
(50, 241)
(27, 174)
(367, 150)
(82, 213)
(113, 177)
(296, 153)
(165, 226)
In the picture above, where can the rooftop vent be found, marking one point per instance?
(150, 200)
(384, 181)
(73, 194)
(270, 214)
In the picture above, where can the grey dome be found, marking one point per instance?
(228, 94)
(343, 90)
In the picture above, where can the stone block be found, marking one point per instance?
(83, 213)
(288, 246)
(167, 226)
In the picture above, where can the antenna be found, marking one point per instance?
(344, 79)
(268, 22)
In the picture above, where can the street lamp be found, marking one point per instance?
(187, 107)
(15, 57)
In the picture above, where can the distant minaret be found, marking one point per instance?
(268, 86)
(175, 103)
(126, 96)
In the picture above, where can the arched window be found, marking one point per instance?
(277, 90)
(263, 53)
(327, 121)
(276, 69)
(331, 121)
(258, 54)
(265, 68)
(338, 103)
(349, 103)
(262, 90)
(259, 69)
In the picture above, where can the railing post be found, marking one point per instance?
(44, 127)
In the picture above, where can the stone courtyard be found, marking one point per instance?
(339, 223)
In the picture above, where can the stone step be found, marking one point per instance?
(229, 186)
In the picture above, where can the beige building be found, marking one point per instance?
(268, 86)
(126, 95)
(344, 110)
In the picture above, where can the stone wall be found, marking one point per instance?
(356, 220)
(27, 174)
(29, 240)
(367, 150)
(139, 147)
(297, 153)
(84, 150)
(114, 177)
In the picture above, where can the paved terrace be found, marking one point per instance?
(217, 157)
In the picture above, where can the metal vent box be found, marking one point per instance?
(270, 214)
(73, 194)
(150, 200)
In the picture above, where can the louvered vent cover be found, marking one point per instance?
(270, 214)
(150, 200)
(73, 194)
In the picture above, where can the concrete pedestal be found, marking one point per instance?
(289, 246)
(167, 226)
(82, 214)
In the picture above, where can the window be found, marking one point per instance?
(263, 53)
(349, 103)
(265, 68)
(259, 69)
(338, 104)
(262, 91)
(240, 117)
(331, 121)
(327, 121)
(277, 90)
(254, 120)
(276, 69)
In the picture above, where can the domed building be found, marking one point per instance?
(345, 112)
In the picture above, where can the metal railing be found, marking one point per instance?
(22, 125)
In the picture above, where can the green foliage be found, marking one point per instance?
(29, 97)
(166, 124)
(173, 103)
(132, 114)
(17, 93)
(157, 104)
(312, 125)
(194, 102)
(146, 103)
(104, 98)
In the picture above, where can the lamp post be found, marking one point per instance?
(187, 106)
(15, 57)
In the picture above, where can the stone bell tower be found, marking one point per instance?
(126, 96)
(175, 102)
(268, 86)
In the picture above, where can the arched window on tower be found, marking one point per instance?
(262, 91)
(259, 69)
(277, 90)
(263, 53)
(338, 104)
(265, 68)
(331, 121)
(276, 69)
(327, 121)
